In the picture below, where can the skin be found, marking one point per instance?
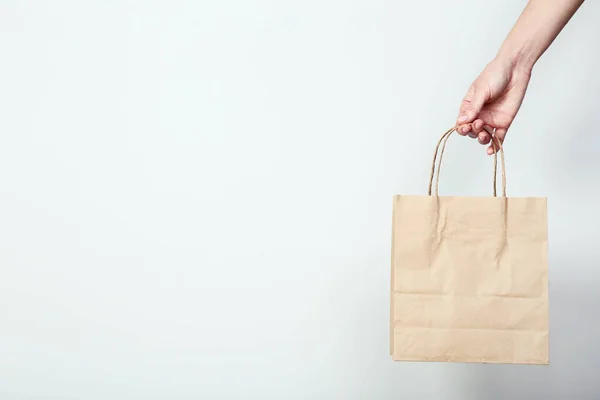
(494, 98)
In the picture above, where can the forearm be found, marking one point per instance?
(535, 30)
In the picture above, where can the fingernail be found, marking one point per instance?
(465, 129)
(482, 136)
(462, 118)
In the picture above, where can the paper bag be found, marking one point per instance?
(469, 276)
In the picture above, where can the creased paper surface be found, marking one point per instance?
(469, 280)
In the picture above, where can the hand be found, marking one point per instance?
(493, 100)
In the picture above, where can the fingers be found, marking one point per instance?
(500, 134)
(473, 130)
(483, 134)
(484, 138)
(477, 126)
(464, 129)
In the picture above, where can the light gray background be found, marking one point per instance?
(196, 195)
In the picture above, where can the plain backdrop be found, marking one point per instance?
(195, 196)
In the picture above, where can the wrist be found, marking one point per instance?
(519, 58)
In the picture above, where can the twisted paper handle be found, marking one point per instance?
(442, 142)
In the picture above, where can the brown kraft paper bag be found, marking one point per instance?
(469, 276)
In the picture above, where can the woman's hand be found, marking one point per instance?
(493, 100)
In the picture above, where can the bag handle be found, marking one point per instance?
(442, 142)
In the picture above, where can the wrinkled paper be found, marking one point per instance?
(469, 280)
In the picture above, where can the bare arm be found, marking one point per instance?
(496, 95)
(535, 30)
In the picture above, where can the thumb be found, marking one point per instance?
(471, 105)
